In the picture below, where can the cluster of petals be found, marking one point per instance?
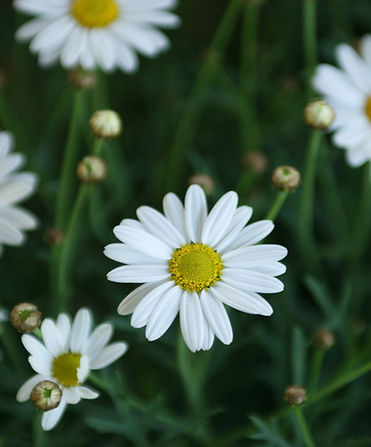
(56, 33)
(348, 90)
(63, 337)
(14, 187)
(148, 245)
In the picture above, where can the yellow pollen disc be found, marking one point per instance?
(368, 108)
(64, 369)
(95, 13)
(195, 267)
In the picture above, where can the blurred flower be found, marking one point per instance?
(4, 315)
(193, 262)
(286, 178)
(91, 33)
(204, 180)
(25, 317)
(295, 395)
(255, 161)
(324, 339)
(67, 354)
(91, 169)
(319, 114)
(14, 187)
(348, 91)
(105, 124)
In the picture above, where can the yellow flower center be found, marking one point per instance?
(368, 108)
(195, 267)
(64, 369)
(95, 13)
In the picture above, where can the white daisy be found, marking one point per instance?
(193, 262)
(14, 187)
(348, 91)
(66, 355)
(88, 33)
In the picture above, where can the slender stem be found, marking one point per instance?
(98, 142)
(277, 205)
(304, 430)
(67, 249)
(310, 39)
(316, 369)
(69, 166)
(39, 436)
(187, 126)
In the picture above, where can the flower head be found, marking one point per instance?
(348, 91)
(66, 355)
(91, 33)
(14, 187)
(193, 262)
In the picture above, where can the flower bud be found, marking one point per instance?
(91, 169)
(81, 79)
(323, 339)
(256, 162)
(295, 395)
(204, 180)
(25, 317)
(46, 395)
(105, 124)
(54, 237)
(286, 178)
(319, 114)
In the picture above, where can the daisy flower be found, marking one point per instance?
(348, 91)
(67, 354)
(91, 33)
(14, 187)
(193, 263)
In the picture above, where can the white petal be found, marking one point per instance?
(51, 339)
(130, 302)
(247, 257)
(40, 365)
(192, 321)
(208, 335)
(160, 227)
(87, 393)
(51, 418)
(98, 340)
(18, 217)
(365, 45)
(252, 281)
(36, 348)
(240, 218)
(219, 219)
(108, 355)
(252, 234)
(80, 330)
(9, 234)
(64, 329)
(249, 302)
(272, 268)
(217, 317)
(83, 369)
(356, 156)
(195, 212)
(146, 306)
(163, 314)
(354, 66)
(25, 390)
(71, 395)
(174, 211)
(127, 255)
(139, 273)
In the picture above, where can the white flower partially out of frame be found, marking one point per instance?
(66, 355)
(91, 33)
(348, 91)
(14, 188)
(193, 262)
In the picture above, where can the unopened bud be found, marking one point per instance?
(105, 124)
(295, 395)
(25, 317)
(319, 114)
(54, 237)
(81, 79)
(256, 162)
(286, 178)
(91, 169)
(323, 339)
(206, 182)
(46, 395)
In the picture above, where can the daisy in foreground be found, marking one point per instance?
(348, 91)
(193, 263)
(66, 355)
(91, 33)
(14, 187)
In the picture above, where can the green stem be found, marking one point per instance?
(39, 436)
(11, 346)
(68, 173)
(277, 205)
(310, 39)
(316, 369)
(306, 234)
(97, 147)
(304, 430)
(187, 126)
(66, 251)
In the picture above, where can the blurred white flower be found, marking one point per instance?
(348, 91)
(14, 187)
(91, 33)
(193, 262)
(67, 354)
(4, 314)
